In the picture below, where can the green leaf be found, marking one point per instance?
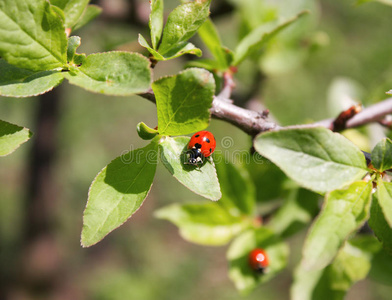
(11, 137)
(344, 212)
(156, 21)
(238, 190)
(181, 49)
(379, 224)
(117, 192)
(73, 10)
(32, 35)
(143, 42)
(90, 13)
(182, 23)
(316, 158)
(258, 37)
(183, 101)
(112, 73)
(72, 57)
(298, 210)
(203, 182)
(205, 224)
(384, 195)
(16, 82)
(351, 265)
(382, 155)
(244, 278)
(211, 39)
(145, 132)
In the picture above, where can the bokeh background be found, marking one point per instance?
(343, 49)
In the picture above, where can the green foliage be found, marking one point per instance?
(183, 101)
(344, 212)
(352, 264)
(298, 210)
(257, 38)
(313, 157)
(209, 34)
(205, 224)
(11, 137)
(36, 55)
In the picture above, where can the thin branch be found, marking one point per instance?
(253, 122)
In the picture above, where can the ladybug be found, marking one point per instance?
(202, 144)
(258, 260)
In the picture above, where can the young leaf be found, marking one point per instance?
(33, 36)
(203, 182)
(73, 10)
(344, 211)
(238, 190)
(181, 49)
(316, 158)
(182, 23)
(384, 195)
(183, 101)
(382, 155)
(351, 265)
(205, 224)
(11, 137)
(143, 42)
(379, 225)
(296, 213)
(117, 192)
(112, 73)
(16, 82)
(211, 39)
(72, 57)
(156, 21)
(145, 132)
(258, 37)
(244, 278)
(90, 13)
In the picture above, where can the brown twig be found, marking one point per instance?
(253, 122)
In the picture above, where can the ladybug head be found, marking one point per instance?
(194, 157)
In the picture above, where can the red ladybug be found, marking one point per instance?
(258, 260)
(202, 144)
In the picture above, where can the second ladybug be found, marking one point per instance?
(258, 260)
(202, 144)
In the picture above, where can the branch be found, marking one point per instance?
(253, 122)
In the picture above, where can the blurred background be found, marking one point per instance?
(340, 53)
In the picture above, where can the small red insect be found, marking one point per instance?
(201, 145)
(258, 260)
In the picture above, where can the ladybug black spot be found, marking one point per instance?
(197, 135)
(197, 146)
(207, 140)
(210, 150)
